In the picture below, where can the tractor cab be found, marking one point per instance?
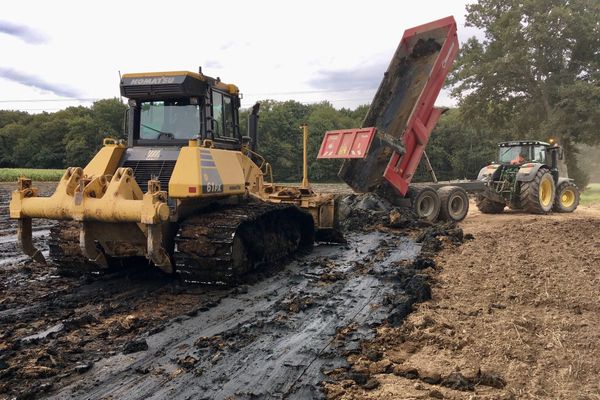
(168, 111)
(170, 108)
(520, 152)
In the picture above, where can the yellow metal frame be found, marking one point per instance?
(99, 199)
(99, 193)
(106, 199)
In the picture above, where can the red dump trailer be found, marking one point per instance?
(384, 154)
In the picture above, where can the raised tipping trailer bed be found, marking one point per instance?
(397, 126)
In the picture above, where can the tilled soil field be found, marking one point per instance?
(514, 315)
(138, 334)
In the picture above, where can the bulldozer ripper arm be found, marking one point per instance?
(25, 241)
(96, 199)
(117, 199)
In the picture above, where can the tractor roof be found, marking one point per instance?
(154, 85)
(523, 143)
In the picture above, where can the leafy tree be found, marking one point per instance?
(108, 114)
(280, 136)
(69, 137)
(535, 74)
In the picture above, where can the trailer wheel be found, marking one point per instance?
(426, 203)
(567, 197)
(454, 203)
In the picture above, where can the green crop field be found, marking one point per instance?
(12, 174)
(591, 194)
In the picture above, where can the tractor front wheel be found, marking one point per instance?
(567, 197)
(537, 195)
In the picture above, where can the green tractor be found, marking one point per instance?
(526, 177)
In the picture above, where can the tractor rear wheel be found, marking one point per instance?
(537, 195)
(425, 202)
(488, 206)
(454, 203)
(567, 197)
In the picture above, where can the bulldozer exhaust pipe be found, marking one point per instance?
(253, 127)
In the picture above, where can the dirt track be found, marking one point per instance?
(136, 334)
(514, 315)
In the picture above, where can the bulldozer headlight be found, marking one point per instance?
(132, 103)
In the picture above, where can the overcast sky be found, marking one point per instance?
(305, 50)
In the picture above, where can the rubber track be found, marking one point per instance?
(205, 248)
(204, 244)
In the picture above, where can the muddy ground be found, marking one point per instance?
(514, 315)
(137, 334)
(506, 311)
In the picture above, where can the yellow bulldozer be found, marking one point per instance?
(186, 193)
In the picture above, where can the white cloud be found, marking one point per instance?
(22, 32)
(268, 48)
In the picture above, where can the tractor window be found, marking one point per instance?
(171, 119)
(228, 114)
(222, 115)
(217, 109)
(539, 154)
(514, 154)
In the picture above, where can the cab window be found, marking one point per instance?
(228, 117)
(171, 119)
(222, 110)
(217, 111)
(539, 154)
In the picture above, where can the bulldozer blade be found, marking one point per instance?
(24, 238)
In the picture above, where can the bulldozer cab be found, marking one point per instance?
(517, 153)
(169, 109)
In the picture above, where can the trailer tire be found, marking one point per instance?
(426, 203)
(537, 196)
(488, 206)
(567, 197)
(454, 203)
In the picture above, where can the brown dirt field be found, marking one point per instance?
(514, 315)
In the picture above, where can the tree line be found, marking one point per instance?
(534, 74)
(68, 137)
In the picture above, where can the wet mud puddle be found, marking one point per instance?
(274, 339)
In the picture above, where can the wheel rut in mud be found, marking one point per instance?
(275, 338)
(135, 334)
